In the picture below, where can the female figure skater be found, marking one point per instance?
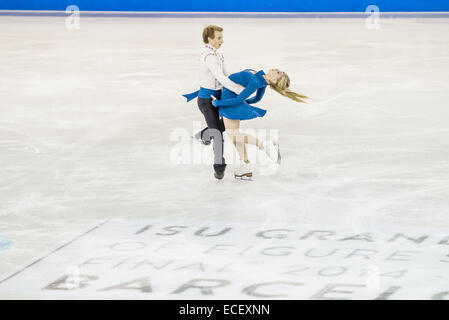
(234, 108)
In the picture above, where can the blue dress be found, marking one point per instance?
(238, 107)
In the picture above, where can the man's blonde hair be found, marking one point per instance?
(209, 32)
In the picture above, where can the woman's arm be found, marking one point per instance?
(249, 90)
(214, 67)
(258, 97)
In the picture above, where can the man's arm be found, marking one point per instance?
(214, 67)
(225, 71)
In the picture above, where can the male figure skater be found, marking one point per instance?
(213, 76)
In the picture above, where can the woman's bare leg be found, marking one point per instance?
(232, 128)
(239, 138)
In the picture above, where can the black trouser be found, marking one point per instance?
(214, 131)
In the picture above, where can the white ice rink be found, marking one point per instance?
(358, 209)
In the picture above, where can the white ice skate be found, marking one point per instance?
(271, 148)
(244, 171)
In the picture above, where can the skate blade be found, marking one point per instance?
(218, 176)
(246, 176)
(206, 143)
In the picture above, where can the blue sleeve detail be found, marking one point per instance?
(252, 86)
(258, 97)
(242, 78)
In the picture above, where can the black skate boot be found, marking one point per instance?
(219, 171)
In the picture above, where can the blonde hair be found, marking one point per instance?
(209, 32)
(282, 87)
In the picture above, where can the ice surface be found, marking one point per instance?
(87, 116)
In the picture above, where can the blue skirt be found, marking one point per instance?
(243, 111)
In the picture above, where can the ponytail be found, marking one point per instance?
(282, 87)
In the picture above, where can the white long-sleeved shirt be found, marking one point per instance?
(213, 74)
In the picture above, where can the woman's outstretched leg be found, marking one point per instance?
(240, 138)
